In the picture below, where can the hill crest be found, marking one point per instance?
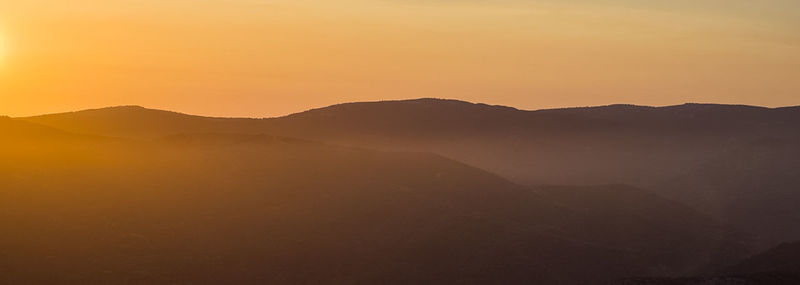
(427, 103)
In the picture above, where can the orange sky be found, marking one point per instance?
(266, 58)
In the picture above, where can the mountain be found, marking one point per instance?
(16, 130)
(137, 122)
(255, 209)
(675, 150)
(599, 145)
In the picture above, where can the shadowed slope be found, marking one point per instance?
(777, 266)
(756, 186)
(22, 130)
(259, 209)
(782, 258)
(623, 217)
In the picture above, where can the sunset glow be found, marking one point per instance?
(557, 142)
(268, 58)
(2, 47)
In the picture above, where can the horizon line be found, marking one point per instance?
(396, 101)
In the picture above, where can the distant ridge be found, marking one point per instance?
(433, 118)
(431, 101)
(113, 109)
(17, 129)
(134, 122)
(399, 106)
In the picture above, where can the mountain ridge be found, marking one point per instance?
(648, 147)
(422, 100)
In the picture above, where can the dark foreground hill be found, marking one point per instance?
(678, 151)
(782, 258)
(263, 209)
(777, 266)
(756, 186)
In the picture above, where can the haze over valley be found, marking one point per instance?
(414, 191)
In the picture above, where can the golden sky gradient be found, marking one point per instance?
(265, 58)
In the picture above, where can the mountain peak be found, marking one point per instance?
(115, 112)
(125, 107)
(129, 108)
(119, 121)
(410, 107)
(713, 106)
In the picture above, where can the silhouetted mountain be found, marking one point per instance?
(600, 145)
(22, 130)
(437, 118)
(141, 123)
(611, 144)
(256, 209)
(671, 149)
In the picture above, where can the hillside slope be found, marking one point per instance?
(782, 258)
(756, 186)
(676, 150)
(600, 145)
(777, 266)
(255, 209)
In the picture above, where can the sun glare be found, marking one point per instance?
(2, 47)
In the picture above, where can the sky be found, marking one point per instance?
(263, 58)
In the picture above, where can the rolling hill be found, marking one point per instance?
(599, 145)
(255, 209)
(671, 150)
